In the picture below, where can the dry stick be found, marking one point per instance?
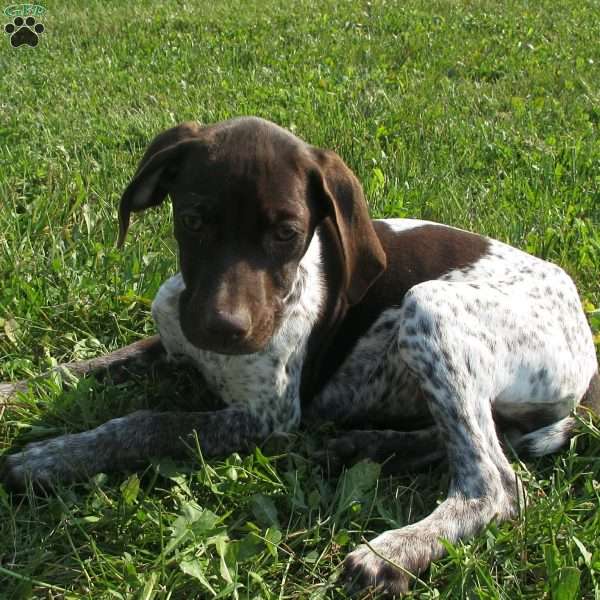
(146, 348)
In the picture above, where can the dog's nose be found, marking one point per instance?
(232, 326)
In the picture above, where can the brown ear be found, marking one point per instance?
(147, 188)
(363, 256)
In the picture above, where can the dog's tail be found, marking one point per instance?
(552, 438)
(546, 440)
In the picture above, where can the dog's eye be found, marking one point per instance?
(284, 232)
(192, 222)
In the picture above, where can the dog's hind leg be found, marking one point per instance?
(445, 357)
(398, 450)
(373, 387)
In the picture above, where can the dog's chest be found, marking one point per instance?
(270, 375)
(233, 378)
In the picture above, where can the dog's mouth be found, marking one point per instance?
(224, 346)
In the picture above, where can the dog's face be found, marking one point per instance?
(243, 220)
(247, 197)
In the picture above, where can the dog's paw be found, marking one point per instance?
(279, 442)
(341, 451)
(24, 31)
(31, 464)
(117, 444)
(391, 564)
(42, 464)
(396, 450)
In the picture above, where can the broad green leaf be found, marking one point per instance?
(194, 569)
(245, 548)
(263, 508)
(193, 520)
(567, 586)
(130, 489)
(168, 469)
(356, 483)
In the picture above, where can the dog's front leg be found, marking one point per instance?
(129, 442)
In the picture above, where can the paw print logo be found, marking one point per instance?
(24, 31)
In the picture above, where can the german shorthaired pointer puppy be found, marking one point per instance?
(290, 300)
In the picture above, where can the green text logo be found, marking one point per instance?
(24, 10)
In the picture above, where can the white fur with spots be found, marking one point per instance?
(507, 334)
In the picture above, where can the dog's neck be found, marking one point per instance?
(307, 293)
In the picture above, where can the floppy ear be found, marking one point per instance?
(364, 259)
(148, 186)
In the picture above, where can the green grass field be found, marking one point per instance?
(484, 115)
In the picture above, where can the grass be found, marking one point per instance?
(483, 115)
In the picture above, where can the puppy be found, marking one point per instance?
(290, 300)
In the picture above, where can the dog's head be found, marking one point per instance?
(247, 197)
